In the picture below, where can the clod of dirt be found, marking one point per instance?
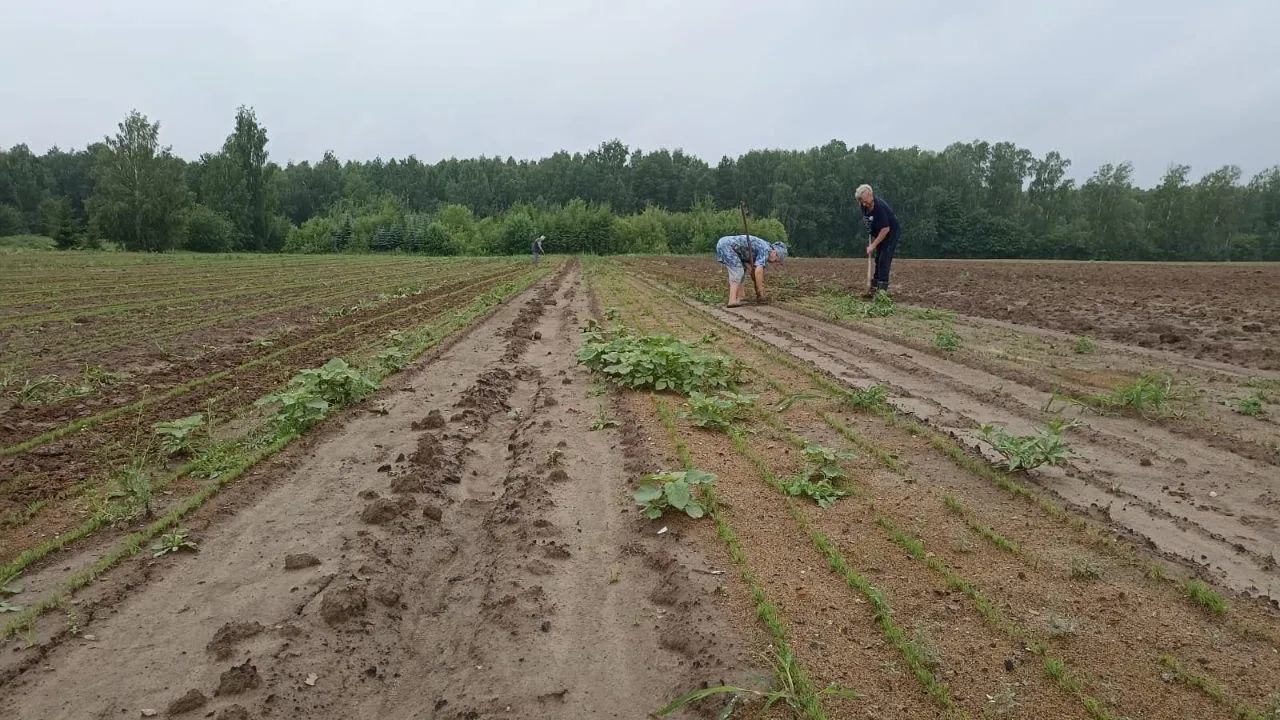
(384, 510)
(387, 595)
(432, 512)
(558, 475)
(228, 635)
(549, 401)
(401, 484)
(367, 494)
(430, 451)
(537, 335)
(192, 700)
(342, 604)
(298, 561)
(400, 458)
(433, 421)
(386, 467)
(1145, 462)
(235, 712)
(240, 678)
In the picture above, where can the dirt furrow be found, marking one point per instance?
(466, 554)
(1169, 500)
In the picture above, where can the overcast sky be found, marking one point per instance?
(1149, 81)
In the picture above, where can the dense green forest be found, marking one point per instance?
(975, 199)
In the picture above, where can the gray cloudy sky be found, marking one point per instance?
(1150, 81)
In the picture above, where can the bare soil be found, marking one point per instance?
(510, 581)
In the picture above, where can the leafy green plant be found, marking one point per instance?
(866, 398)
(1250, 405)
(817, 481)
(718, 411)
(393, 358)
(135, 484)
(313, 393)
(1149, 395)
(1084, 346)
(172, 542)
(676, 490)
(658, 362)
(946, 339)
(176, 435)
(850, 307)
(1025, 452)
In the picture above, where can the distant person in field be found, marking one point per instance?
(885, 232)
(742, 252)
(537, 248)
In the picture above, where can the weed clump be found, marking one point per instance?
(1025, 452)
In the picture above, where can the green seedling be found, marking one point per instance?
(1084, 346)
(1205, 597)
(818, 480)
(867, 398)
(1250, 405)
(1026, 452)
(176, 435)
(679, 491)
(172, 542)
(1148, 396)
(602, 421)
(6, 591)
(946, 339)
(719, 411)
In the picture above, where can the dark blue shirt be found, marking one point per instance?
(881, 217)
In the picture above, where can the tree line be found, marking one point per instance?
(975, 199)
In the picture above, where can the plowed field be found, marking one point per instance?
(463, 542)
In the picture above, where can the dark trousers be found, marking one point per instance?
(884, 258)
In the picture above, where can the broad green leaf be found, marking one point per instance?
(678, 494)
(648, 494)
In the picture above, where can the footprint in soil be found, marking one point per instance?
(298, 561)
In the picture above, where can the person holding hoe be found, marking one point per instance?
(537, 248)
(885, 232)
(743, 253)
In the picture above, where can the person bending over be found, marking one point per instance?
(747, 253)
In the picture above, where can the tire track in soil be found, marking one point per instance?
(454, 573)
(1163, 480)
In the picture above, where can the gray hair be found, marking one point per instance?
(863, 191)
